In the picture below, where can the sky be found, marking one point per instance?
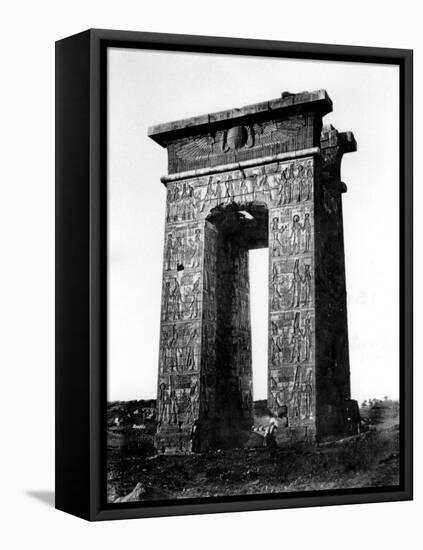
(148, 88)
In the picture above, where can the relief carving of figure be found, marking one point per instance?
(295, 237)
(162, 387)
(166, 301)
(277, 349)
(172, 351)
(276, 297)
(218, 193)
(196, 202)
(277, 237)
(275, 273)
(173, 407)
(286, 188)
(192, 201)
(208, 197)
(243, 187)
(184, 202)
(190, 350)
(275, 229)
(179, 251)
(170, 252)
(307, 335)
(193, 403)
(306, 229)
(261, 186)
(296, 187)
(165, 415)
(229, 191)
(306, 183)
(308, 395)
(171, 204)
(175, 204)
(296, 396)
(176, 299)
(193, 307)
(306, 280)
(296, 340)
(295, 288)
(195, 249)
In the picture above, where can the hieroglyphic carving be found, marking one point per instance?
(290, 232)
(291, 338)
(191, 289)
(301, 395)
(182, 203)
(205, 353)
(183, 248)
(291, 394)
(291, 284)
(178, 401)
(291, 287)
(275, 184)
(180, 347)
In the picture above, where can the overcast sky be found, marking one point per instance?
(147, 88)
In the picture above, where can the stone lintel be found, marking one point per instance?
(287, 104)
(200, 172)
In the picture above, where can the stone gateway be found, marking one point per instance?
(265, 175)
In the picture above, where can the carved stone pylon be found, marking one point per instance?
(261, 176)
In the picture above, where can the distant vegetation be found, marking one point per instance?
(380, 411)
(128, 413)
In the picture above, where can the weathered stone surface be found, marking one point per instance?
(289, 123)
(292, 207)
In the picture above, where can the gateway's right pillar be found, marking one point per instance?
(309, 375)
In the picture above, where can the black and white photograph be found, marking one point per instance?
(210, 286)
(253, 288)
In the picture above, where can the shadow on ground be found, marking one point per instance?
(46, 497)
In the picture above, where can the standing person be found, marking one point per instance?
(270, 435)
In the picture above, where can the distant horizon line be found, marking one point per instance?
(254, 400)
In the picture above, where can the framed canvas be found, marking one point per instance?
(233, 329)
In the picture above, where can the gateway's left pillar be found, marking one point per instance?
(178, 398)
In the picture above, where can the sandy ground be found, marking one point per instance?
(136, 473)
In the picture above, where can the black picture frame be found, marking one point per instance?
(81, 270)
